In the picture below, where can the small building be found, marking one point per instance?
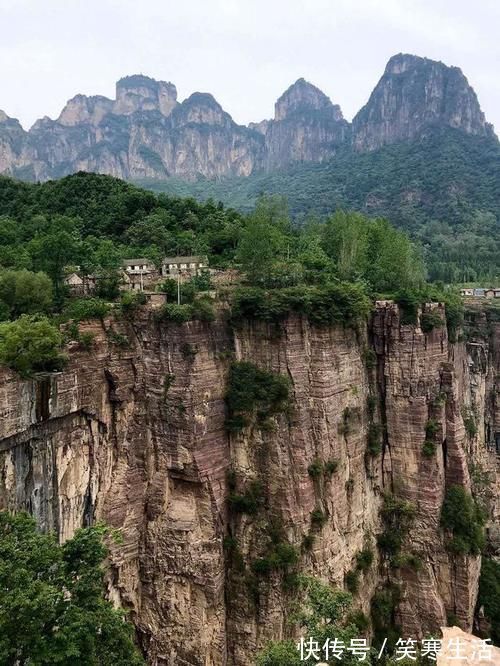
(135, 281)
(497, 293)
(489, 293)
(467, 292)
(173, 266)
(138, 266)
(74, 281)
(155, 298)
(80, 284)
(138, 273)
(479, 292)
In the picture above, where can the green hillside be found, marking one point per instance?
(444, 190)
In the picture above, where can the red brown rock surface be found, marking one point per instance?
(135, 436)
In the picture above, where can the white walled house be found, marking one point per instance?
(172, 266)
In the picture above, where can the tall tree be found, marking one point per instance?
(53, 609)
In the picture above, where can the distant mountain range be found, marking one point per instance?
(145, 133)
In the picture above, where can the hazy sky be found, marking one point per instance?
(244, 52)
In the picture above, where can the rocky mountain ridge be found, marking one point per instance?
(145, 132)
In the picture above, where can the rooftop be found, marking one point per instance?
(133, 262)
(185, 260)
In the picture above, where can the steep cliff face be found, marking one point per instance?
(136, 437)
(307, 127)
(413, 94)
(146, 133)
(12, 142)
(143, 133)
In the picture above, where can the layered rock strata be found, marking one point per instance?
(136, 436)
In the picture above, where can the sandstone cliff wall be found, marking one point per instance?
(135, 436)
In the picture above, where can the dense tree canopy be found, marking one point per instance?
(95, 221)
(30, 344)
(24, 292)
(52, 609)
(325, 268)
(442, 189)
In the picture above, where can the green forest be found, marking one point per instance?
(329, 269)
(443, 190)
(53, 610)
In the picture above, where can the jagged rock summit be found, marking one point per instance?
(303, 97)
(145, 132)
(415, 93)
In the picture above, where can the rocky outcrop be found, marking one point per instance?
(12, 143)
(456, 642)
(136, 436)
(146, 133)
(307, 127)
(140, 93)
(415, 94)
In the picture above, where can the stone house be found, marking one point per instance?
(80, 284)
(74, 282)
(155, 299)
(173, 266)
(138, 273)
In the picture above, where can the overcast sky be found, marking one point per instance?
(245, 52)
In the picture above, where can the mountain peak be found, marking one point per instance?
(202, 109)
(413, 94)
(202, 99)
(301, 96)
(143, 93)
(137, 81)
(82, 109)
(401, 62)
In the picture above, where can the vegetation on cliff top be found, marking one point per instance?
(328, 270)
(30, 344)
(53, 609)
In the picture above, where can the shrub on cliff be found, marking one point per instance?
(324, 614)
(249, 501)
(374, 445)
(397, 517)
(86, 308)
(280, 653)
(203, 309)
(461, 516)
(24, 292)
(408, 302)
(430, 320)
(175, 313)
(200, 309)
(340, 303)
(30, 344)
(489, 595)
(252, 391)
(130, 302)
(53, 609)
